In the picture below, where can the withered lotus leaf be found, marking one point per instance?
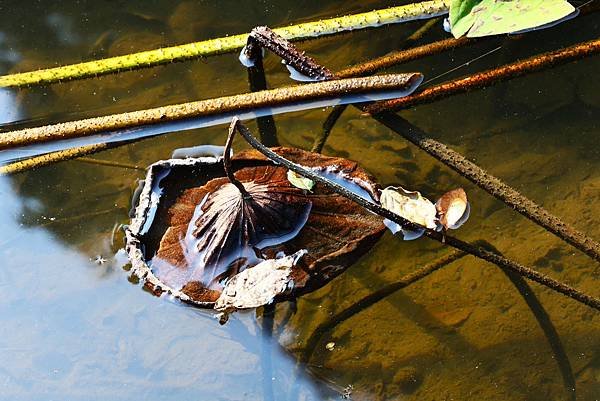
(258, 285)
(213, 232)
(453, 209)
(228, 229)
(412, 206)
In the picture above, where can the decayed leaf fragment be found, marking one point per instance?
(453, 209)
(258, 285)
(300, 182)
(412, 206)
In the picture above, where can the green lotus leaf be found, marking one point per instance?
(477, 18)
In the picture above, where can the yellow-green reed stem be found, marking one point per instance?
(150, 58)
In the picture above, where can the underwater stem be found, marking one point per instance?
(491, 184)
(372, 299)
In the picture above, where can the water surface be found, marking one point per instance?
(73, 328)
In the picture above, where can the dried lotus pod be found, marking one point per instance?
(453, 209)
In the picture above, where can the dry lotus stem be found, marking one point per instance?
(403, 56)
(247, 101)
(474, 250)
(490, 77)
(53, 157)
(486, 181)
(264, 37)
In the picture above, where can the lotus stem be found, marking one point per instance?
(227, 165)
(520, 284)
(109, 163)
(258, 82)
(372, 299)
(266, 351)
(545, 323)
(480, 177)
(263, 37)
(491, 77)
(328, 125)
(374, 65)
(54, 157)
(491, 184)
(479, 252)
(167, 55)
(404, 56)
(236, 103)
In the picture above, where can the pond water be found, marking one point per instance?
(76, 326)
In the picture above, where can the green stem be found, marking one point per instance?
(150, 58)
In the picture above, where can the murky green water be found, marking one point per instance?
(75, 329)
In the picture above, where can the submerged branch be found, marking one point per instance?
(167, 55)
(371, 299)
(479, 252)
(519, 283)
(494, 186)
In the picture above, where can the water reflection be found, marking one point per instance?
(78, 330)
(9, 109)
(73, 327)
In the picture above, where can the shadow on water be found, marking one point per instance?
(74, 327)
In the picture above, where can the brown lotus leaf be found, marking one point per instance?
(226, 227)
(214, 233)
